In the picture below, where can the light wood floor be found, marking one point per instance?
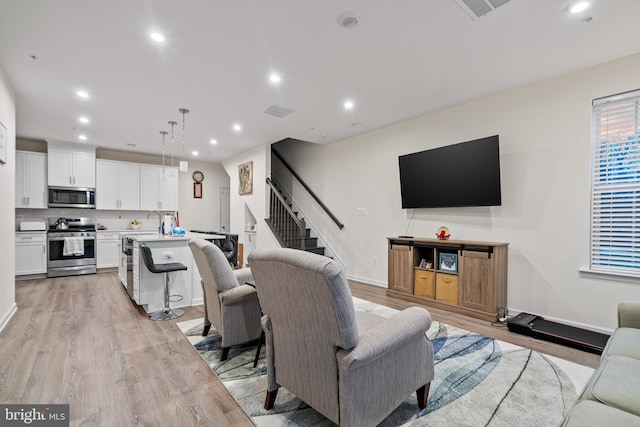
(80, 340)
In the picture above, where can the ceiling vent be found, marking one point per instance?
(277, 111)
(478, 8)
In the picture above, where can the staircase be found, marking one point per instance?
(290, 230)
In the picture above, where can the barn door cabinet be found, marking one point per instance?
(465, 277)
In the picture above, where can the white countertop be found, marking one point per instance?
(163, 237)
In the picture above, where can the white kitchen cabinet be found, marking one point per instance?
(31, 180)
(158, 188)
(31, 253)
(117, 185)
(108, 250)
(72, 168)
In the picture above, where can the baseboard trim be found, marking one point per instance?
(367, 281)
(515, 312)
(197, 301)
(5, 319)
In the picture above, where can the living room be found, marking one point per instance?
(545, 148)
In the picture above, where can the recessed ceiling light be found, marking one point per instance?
(84, 120)
(82, 94)
(237, 127)
(82, 137)
(348, 104)
(578, 6)
(274, 78)
(194, 152)
(157, 37)
(213, 141)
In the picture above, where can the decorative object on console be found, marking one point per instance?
(245, 171)
(448, 262)
(135, 224)
(443, 233)
(184, 165)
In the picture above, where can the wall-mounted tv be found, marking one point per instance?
(464, 174)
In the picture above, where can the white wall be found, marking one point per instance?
(544, 133)
(201, 214)
(7, 212)
(255, 204)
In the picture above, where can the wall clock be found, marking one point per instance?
(198, 176)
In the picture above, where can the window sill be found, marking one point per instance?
(619, 277)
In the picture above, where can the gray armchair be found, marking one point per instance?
(353, 367)
(229, 304)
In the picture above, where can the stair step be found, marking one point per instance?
(316, 250)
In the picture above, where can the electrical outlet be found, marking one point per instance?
(375, 260)
(361, 211)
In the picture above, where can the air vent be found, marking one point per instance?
(277, 111)
(479, 8)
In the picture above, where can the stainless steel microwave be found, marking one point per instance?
(68, 197)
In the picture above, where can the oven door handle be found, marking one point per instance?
(61, 239)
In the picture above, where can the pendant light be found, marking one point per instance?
(184, 166)
(163, 133)
(172, 124)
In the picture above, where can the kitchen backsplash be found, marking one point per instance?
(112, 220)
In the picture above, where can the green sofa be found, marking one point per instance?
(612, 395)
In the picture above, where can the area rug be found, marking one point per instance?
(478, 381)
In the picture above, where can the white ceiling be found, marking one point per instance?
(406, 58)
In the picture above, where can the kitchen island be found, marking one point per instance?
(146, 288)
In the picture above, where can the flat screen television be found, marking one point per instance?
(464, 174)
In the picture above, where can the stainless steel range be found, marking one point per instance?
(72, 246)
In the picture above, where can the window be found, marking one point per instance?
(615, 185)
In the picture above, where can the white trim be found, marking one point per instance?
(602, 275)
(5, 319)
(197, 301)
(367, 281)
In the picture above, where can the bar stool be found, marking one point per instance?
(166, 313)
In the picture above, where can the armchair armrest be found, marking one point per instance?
(387, 336)
(243, 275)
(629, 315)
(238, 295)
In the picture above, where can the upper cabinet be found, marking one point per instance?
(158, 188)
(71, 165)
(31, 180)
(117, 185)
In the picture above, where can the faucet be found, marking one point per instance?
(159, 219)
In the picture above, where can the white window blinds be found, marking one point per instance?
(615, 185)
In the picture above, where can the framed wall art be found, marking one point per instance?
(245, 171)
(197, 190)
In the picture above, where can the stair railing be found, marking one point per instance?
(306, 187)
(285, 224)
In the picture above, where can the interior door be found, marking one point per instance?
(225, 209)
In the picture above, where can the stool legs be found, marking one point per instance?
(167, 313)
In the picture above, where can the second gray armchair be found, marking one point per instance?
(230, 305)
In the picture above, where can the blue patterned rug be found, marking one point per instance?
(478, 381)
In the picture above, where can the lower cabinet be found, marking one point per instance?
(461, 276)
(107, 250)
(31, 253)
